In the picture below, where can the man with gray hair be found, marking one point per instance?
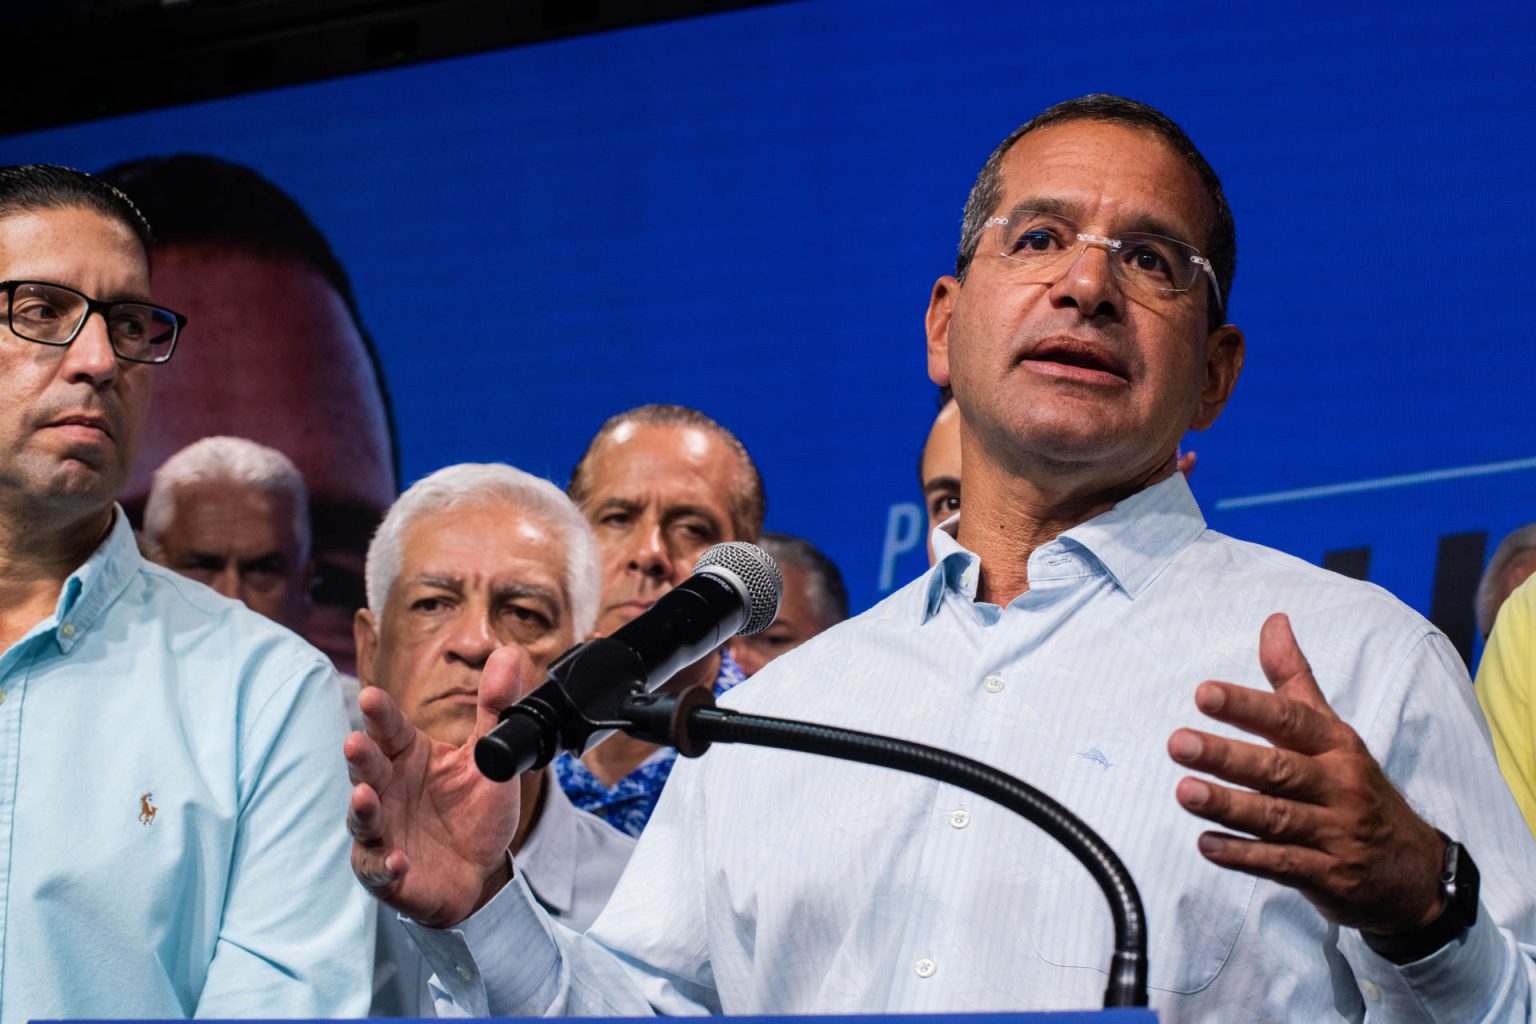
(234, 514)
(471, 559)
(1513, 562)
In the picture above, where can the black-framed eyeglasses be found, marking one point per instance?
(53, 314)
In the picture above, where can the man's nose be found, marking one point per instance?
(227, 581)
(649, 553)
(90, 358)
(473, 638)
(1089, 284)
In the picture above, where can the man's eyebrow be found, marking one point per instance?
(673, 511)
(1146, 223)
(618, 504)
(453, 583)
(269, 556)
(536, 591)
(197, 555)
(1151, 224)
(942, 483)
(1043, 204)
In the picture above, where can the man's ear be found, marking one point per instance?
(1224, 350)
(365, 635)
(941, 308)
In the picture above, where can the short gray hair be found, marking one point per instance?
(233, 460)
(1521, 542)
(470, 484)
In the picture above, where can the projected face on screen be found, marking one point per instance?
(274, 356)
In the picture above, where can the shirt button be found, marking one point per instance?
(925, 968)
(465, 973)
(968, 578)
(1371, 991)
(960, 818)
(68, 629)
(992, 684)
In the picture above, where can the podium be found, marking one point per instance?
(1119, 1015)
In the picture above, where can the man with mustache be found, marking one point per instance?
(168, 782)
(1078, 624)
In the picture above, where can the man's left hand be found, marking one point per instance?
(1323, 816)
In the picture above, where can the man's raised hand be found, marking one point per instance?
(1323, 817)
(430, 834)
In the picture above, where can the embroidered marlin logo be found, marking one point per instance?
(147, 809)
(1096, 755)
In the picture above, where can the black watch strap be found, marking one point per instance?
(1459, 883)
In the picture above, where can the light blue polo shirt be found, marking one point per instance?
(172, 795)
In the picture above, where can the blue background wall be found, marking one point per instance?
(745, 213)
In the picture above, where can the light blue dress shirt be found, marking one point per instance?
(171, 802)
(570, 859)
(773, 882)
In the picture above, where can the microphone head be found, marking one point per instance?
(754, 574)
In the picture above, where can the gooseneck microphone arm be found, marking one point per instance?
(600, 686)
(691, 722)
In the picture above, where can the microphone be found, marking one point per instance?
(734, 589)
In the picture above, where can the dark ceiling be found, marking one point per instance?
(80, 60)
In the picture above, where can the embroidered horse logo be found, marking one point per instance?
(147, 810)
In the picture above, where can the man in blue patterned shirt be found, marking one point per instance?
(659, 484)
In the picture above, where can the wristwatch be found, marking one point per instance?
(1458, 911)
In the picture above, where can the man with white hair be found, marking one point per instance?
(234, 514)
(471, 559)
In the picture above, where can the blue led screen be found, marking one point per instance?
(746, 212)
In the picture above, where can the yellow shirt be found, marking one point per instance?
(1505, 681)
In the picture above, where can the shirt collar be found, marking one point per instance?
(97, 583)
(1134, 542)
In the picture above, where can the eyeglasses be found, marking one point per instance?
(1146, 262)
(51, 314)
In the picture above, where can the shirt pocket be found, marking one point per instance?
(1195, 910)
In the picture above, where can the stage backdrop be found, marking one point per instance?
(745, 213)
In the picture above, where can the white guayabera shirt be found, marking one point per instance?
(775, 883)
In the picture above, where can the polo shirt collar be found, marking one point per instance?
(93, 587)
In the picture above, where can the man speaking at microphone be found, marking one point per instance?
(1081, 629)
